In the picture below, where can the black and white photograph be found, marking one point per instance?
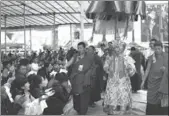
(84, 57)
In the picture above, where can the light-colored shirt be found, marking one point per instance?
(148, 53)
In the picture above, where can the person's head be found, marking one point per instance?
(21, 84)
(7, 64)
(35, 81)
(62, 78)
(91, 49)
(133, 49)
(110, 44)
(56, 67)
(81, 47)
(35, 60)
(119, 49)
(158, 47)
(22, 69)
(25, 62)
(102, 46)
(48, 67)
(152, 42)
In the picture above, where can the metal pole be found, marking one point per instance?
(81, 21)
(71, 38)
(0, 42)
(161, 25)
(31, 39)
(133, 35)
(24, 33)
(115, 29)
(54, 34)
(5, 35)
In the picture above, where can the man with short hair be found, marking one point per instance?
(80, 78)
(97, 87)
(157, 76)
(150, 51)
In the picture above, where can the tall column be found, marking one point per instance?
(55, 35)
(24, 32)
(82, 21)
(71, 37)
(5, 34)
(0, 41)
(161, 25)
(133, 35)
(30, 39)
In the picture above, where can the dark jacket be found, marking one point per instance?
(42, 72)
(57, 102)
(80, 79)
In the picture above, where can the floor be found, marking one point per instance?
(138, 106)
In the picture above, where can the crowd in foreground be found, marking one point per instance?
(51, 83)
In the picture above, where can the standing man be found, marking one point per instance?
(157, 76)
(148, 53)
(97, 87)
(82, 72)
(139, 61)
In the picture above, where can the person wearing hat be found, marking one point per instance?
(157, 74)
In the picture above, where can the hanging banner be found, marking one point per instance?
(9, 35)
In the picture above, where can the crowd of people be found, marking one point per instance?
(61, 83)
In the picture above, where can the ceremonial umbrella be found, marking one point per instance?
(112, 15)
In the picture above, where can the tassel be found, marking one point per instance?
(94, 24)
(126, 28)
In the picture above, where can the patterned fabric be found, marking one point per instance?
(117, 99)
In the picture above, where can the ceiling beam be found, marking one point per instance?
(40, 27)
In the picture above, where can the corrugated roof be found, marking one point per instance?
(41, 13)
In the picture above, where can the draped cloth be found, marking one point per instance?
(113, 15)
(105, 10)
(117, 99)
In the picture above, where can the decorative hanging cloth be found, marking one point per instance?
(107, 26)
(105, 10)
(113, 15)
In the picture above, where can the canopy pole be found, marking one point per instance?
(81, 21)
(71, 38)
(30, 39)
(54, 33)
(161, 25)
(133, 36)
(5, 35)
(115, 29)
(24, 33)
(0, 42)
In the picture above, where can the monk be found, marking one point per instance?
(81, 77)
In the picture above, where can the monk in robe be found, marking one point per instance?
(81, 78)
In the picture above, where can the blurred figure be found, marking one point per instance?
(97, 86)
(139, 61)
